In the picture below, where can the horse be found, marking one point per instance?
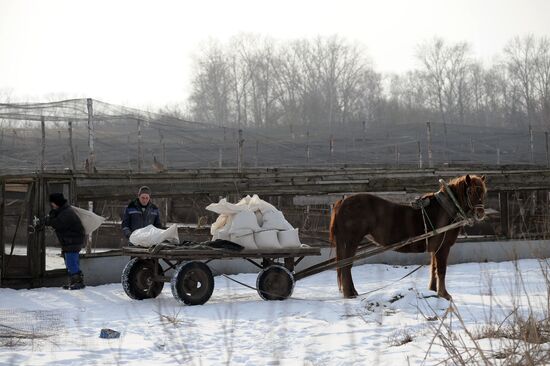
(386, 222)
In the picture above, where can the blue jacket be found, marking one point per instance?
(137, 217)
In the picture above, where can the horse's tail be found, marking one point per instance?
(334, 240)
(332, 227)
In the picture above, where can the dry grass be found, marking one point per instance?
(521, 338)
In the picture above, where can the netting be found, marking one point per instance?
(136, 140)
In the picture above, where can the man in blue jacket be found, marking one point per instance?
(140, 212)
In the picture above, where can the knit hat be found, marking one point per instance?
(58, 199)
(144, 189)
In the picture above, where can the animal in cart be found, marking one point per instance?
(386, 222)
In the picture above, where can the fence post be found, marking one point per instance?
(331, 147)
(43, 150)
(308, 152)
(139, 146)
(419, 155)
(240, 151)
(531, 145)
(71, 148)
(397, 155)
(91, 153)
(429, 132)
(504, 219)
(257, 153)
(547, 155)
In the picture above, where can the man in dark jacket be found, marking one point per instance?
(71, 236)
(140, 212)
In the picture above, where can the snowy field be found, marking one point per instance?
(393, 326)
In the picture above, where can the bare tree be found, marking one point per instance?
(520, 60)
(210, 97)
(542, 79)
(446, 68)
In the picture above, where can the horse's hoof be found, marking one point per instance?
(351, 296)
(446, 296)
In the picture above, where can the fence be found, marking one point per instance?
(89, 135)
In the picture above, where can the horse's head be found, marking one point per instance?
(471, 191)
(475, 195)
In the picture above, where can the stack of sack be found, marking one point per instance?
(254, 224)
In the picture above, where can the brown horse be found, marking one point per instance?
(386, 222)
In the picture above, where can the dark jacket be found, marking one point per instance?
(68, 228)
(135, 218)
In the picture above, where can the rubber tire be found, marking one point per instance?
(275, 283)
(135, 273)
(196, 272)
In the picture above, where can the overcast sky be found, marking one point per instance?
(139, 53)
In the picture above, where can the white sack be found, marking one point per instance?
(267, 239)
(224, 207)
(244, 220)
(223, 234)
(289, 238)
(219, 223)
(89, 220)
(245, 201)
(150, 235)
(245, 238)
(256, 204)
(275, 220)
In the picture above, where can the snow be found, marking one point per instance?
(315, 327)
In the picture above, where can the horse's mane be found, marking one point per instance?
(458, 185)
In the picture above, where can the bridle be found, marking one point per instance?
(472, 207)
(469, 201)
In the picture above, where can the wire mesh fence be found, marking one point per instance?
(63, 135)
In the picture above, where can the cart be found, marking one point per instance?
(192, 282)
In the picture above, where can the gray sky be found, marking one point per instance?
(139, 53)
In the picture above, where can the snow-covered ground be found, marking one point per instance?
(392, 326)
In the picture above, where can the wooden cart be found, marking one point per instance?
(193, 282)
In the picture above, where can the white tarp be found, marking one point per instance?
(150, 235)
(89, 220)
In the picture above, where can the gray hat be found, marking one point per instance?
(144, 189)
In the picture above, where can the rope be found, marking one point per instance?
(391, 283)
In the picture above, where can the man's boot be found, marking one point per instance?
(76, 282)
(68, 284)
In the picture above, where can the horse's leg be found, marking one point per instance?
(441, 268)
(352, 249)
(433, 274)
(345, 280)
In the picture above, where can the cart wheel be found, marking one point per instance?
(137, 279)
(275, 283)
(192, 283)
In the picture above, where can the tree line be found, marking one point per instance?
(330, 82)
